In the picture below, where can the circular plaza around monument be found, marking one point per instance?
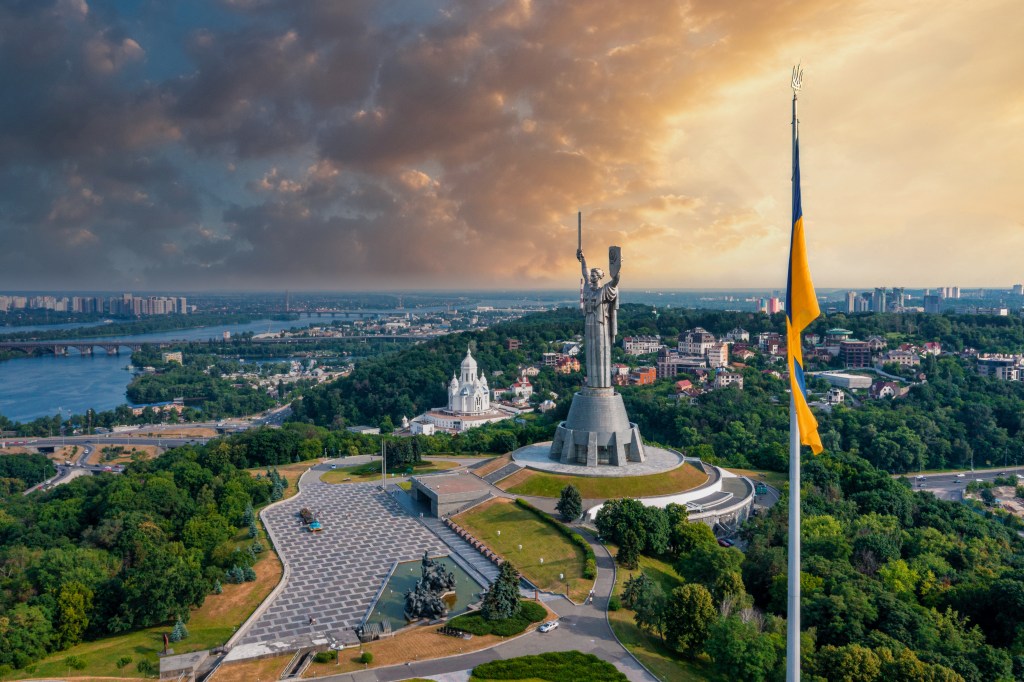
(538, 458)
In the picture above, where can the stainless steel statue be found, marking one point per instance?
(600, 306)
(597, 430)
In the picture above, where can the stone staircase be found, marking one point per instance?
(483, 567)
(501, 473)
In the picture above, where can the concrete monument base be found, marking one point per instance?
(597, 432)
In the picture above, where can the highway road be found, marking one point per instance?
(950, 485)
(65, 473)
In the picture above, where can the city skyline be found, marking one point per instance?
(372, 145)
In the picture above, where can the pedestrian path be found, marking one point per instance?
(484, 567)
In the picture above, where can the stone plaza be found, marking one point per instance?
(335, 574)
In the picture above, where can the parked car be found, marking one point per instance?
(548, 626)
(722, 542)
(960, 475)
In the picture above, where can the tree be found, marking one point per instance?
(501, 601)
(741, 650)
(689, 615)
(570, 503)
(629, 551)
(850, 663)
(74, 601)
(634, 590)
(179, 632)
(617, 516)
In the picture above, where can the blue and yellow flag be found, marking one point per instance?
(801, 310)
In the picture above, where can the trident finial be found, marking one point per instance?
(798, 77)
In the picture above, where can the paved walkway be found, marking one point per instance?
(583, 628)
(336, 573)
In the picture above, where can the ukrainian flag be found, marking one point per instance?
(801, 310)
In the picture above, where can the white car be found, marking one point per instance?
(548, 626)
(960, 475)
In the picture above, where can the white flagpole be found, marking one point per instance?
(793, 601)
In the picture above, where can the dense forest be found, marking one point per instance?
(896, 585)
(106, 554)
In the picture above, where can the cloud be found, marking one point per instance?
(449, 144)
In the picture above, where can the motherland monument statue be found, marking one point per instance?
(597, 430)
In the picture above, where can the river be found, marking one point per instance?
(40, 386)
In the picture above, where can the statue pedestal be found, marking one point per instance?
(597, 432)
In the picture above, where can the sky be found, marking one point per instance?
(447, 144)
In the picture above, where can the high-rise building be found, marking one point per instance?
(899, 299)
(878, 300)
(1018, 289)
(851, 301)
(932, 303)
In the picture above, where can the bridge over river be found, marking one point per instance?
(114, 346)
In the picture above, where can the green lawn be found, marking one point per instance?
(210, 625)
(665, 663)
(504, 526)
(529, 482)
(775, 479)
(370, 472)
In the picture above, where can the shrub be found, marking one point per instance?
(146, 667)
(325, 656)
(366, 657)
(614, 603)
(473, 623)
(248, 574)
(123, 661)
(533, 612)
(509, 626)
(235, 575)
(74, 662)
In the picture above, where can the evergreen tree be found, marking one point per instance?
(570, 503)
(636, 590)
(253, 530)
(502, 598)
(217, 587)
(249, 516)
(179, 632)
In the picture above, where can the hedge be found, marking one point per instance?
(590, 561)
(557, 666)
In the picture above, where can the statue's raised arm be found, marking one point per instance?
(614, 264)
(583, 263)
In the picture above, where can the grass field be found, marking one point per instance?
(665, 663)
(210, 625)
(529, 482)
(123, 454)
(775, 479)
(503, 526)
(289, 471)
(370, 472)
